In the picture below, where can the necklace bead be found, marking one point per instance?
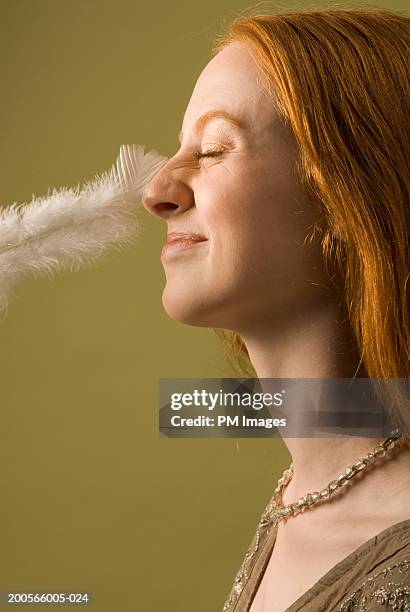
(307, 501)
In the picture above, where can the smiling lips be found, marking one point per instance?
(181, 240)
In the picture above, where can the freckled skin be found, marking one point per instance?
(249, 202)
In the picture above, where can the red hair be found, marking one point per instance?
(340, 80)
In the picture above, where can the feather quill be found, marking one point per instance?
(72, 227)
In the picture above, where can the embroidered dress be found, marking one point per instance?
(373, 578)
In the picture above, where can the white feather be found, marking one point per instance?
(71, 227)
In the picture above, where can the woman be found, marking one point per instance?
(289, 196)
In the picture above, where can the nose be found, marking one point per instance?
(167, 193)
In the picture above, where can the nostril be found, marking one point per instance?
(164, 207)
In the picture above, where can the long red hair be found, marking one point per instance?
(340, 80)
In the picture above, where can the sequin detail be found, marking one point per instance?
(266, 524)
(391, 595)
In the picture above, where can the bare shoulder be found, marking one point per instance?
(342, 531)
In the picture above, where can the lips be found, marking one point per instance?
(180, 241)
(184, 237)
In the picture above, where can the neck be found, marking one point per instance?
(316, 345)
(320, 346)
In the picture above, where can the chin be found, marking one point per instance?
(201, 310)
(186, 310)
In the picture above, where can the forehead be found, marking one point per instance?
(230, 81)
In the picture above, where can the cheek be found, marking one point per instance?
(247, 209)
(258, 220)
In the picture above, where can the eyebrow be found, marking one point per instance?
(216, 113)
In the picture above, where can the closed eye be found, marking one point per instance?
(212, 153)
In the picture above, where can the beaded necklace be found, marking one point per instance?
(276, 511)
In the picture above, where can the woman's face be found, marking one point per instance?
(253, 269)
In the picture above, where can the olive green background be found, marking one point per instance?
(92, 499)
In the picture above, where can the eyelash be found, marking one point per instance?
(212, 153)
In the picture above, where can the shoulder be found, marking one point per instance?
(385, 585)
